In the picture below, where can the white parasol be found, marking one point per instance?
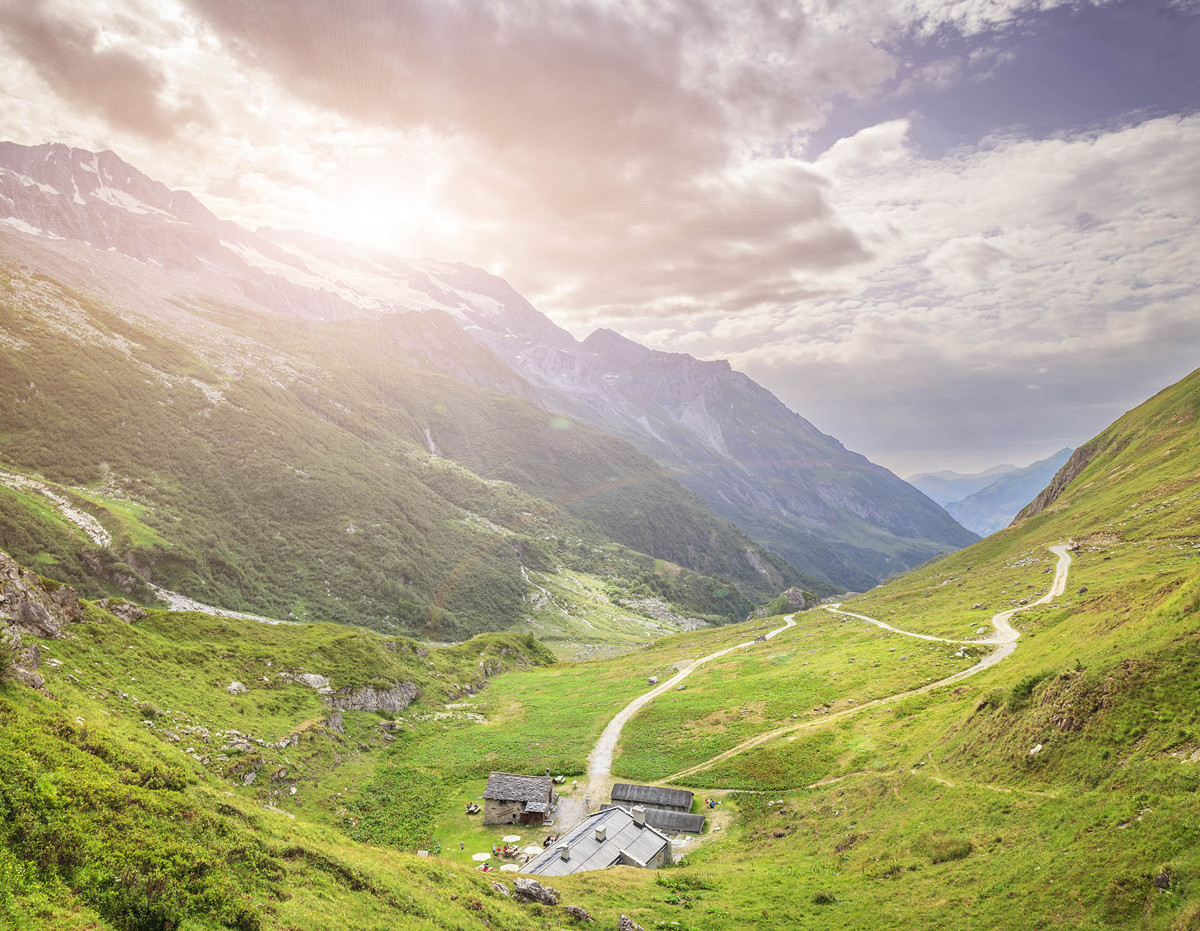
(481, 856)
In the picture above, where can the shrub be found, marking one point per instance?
(942, 848)
(824, 898)
(1023, 690)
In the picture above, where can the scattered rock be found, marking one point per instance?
(236, 688)
(580, 914)
(530, 890)
(1161, 881)
(1082, 590)
(502, 889)
(680, 688)
(1035, 750)
(653, 680)
(625, 923)
(334, 722)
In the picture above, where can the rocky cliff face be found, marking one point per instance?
(32, 607)
(756, 463)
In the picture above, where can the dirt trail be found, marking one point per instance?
(1005, 641)
(571, 810)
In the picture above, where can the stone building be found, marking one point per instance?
(514, 799)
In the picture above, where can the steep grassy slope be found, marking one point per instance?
(134, 789)
(295, 480)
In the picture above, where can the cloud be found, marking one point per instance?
(1066, 263)
(73, 59)
(615, 154)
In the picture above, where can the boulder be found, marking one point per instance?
(501, 888)
(530, 890)
(578, 913)
(625, 923)
(126, 611)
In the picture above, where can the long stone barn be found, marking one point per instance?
(510, 798)
(666, 809)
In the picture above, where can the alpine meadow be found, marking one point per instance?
(413, 509)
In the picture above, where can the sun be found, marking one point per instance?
(380, 216)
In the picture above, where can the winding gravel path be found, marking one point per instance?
(571, 810)
(1005, 641)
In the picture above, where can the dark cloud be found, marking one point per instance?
(607, 139)
(124, 88)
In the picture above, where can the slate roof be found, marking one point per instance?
(672, 822)
(510, 787)
(624, 793)
(536, 807)
(587, 853)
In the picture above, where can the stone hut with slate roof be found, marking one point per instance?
(624, 793)
(513, 799)
(612, 837)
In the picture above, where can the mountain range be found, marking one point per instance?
(987, 501)
(828, 511)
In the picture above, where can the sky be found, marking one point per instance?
(951, 234)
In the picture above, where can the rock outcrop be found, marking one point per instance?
(530, 890)
(32, 606)
(395, 698)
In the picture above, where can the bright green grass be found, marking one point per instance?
(828, 663)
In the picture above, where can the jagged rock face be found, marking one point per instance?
(367, 698)
(754, 462)
(32, 608)
(29, 607)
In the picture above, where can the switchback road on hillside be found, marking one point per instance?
(1004, 639)
(570, 810)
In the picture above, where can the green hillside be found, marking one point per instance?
(1057, 788)
(295, 480)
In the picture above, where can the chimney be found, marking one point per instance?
(601, 833)
(639, 816)
(564, 851)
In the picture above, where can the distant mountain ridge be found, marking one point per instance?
(948, 486)
(826, 509)
(995, 506)
(989, 500)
